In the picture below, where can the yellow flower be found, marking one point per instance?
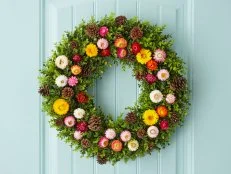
(91, 50)
(150, 117)
(143, 56)
(60, 106)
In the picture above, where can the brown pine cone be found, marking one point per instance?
(95, 123)
(151, 146)
(86, 70)
(139, 76)
(59, 122)
(44, 90)
(85, 143)
(174, 118)
(101, 160)
(92, 30)
(67, 92)
(141, 133)
(136, 33)
(120, 20)
(131, 118)
(73, 44)
(178, 83)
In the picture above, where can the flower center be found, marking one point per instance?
(133, 145)
(150, 117)
(159, 55)
(152, 131)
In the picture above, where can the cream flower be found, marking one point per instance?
(61, 81)
(125, 136)
(78, 135)
(110, 134)
(163, 74)
(79, 113)
(102, 43)
(170, 98)
(153, 131)
(133, 145)
(156, 96)
(61, 62)
(159, 55)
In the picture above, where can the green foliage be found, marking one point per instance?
(153, 38)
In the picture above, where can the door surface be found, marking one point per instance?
(28, 31)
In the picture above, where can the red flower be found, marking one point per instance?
(76, 58)
(136, 47)
(105, 52)
(81, 126)
(82, 97)
(121, 53)
(164, 125)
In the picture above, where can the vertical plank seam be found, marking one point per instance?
(41, 114)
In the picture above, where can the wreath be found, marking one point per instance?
(82, 56)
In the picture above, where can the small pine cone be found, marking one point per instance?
(95, 123)
(117, 36)
(136, 33)
(86, 71)
(139, 76)
(44, 90)
(131, 118)
(67, 92)
(178, 83)
(174, 118)
(151, 146)
(141, 133)
(73, 44)
(120, 20)
(101, 160)
(92, 30)
(85, 143)
(59, 122)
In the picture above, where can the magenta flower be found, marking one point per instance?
(103, 31)
(72, 81)
(150, 78)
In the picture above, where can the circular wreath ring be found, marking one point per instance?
(82, 56)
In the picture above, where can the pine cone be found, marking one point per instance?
(131, 118)
(141, 133)
(59, 122)
(139, 76)
(117, 36)
(44, 90)
(92, 30)
(151, 146)
(85, 143)
(174, 118)
(86, 70)
(178, 83)
(67, 92)
(136, 33)
(120, 20)
(73, 44)
(101, 160)
(95, 123)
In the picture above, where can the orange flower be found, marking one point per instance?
(162, 111)
(152, 65)
(120, 43)
(76, 69)
(116, 145)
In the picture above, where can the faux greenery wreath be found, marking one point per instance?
(82, 56)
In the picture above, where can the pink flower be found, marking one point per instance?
(150, 78)
(103, 142)
(102, 43)
(103, 31)
(159, 55)
(72, 81)
(69, 121)
(76, 58)
(78, 135)
(110, 134)
(125, 136)
(170, 98)
(121, 52)
(163, 74)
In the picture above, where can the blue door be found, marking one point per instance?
(201, 30)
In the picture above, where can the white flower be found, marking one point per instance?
(110, 134)
(170, 98)
(163, 74)
(61, 62)
(78, 135)
(156, 96)
(133, 145)
(102, 43)
(61, 81)
(125, 136)
(153, 131)
(79, 113)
